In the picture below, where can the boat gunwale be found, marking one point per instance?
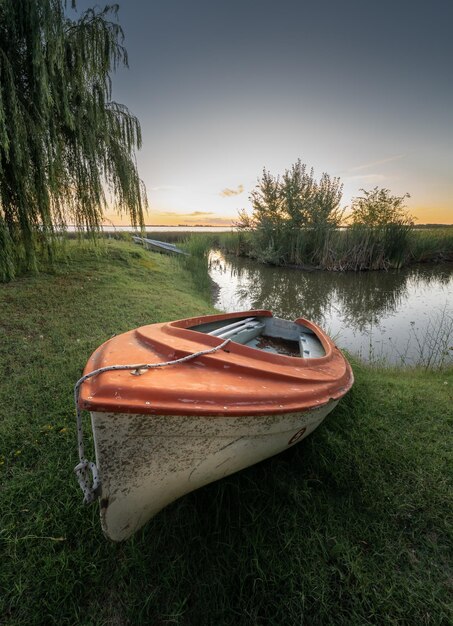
(230, 412)
(328, 389)
(182, 329)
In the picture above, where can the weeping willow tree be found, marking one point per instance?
(67, 151)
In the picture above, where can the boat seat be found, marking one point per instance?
(310, 346)
(249, 332)
(242, 331)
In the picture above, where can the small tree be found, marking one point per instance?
(298, 193)
(326, 211)
(292, 215)
(378, 207)
(267, 220)
(267, 202)
(295, 201)
(307, 202)
(384, 225)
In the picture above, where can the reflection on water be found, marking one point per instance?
(396, 315)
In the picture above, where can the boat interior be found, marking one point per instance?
(270, 334)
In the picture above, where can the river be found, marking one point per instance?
(400, 317)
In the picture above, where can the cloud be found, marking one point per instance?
(221, 221)
(173, 218)
(176, 213)
(195, 213)
(396, 157)
(367, 178)
(227, 192)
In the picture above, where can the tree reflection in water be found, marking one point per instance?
(374, 313)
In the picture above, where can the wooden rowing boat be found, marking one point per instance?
(257, 385)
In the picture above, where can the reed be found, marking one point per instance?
(434, 346)
(433, 244)
(363, 248)
(198, 246)
(234, 242)
(355, 248)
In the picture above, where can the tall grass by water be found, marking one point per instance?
(432, 244)
(355, 248)
(350, 527)
(197, 261)
(434, 346)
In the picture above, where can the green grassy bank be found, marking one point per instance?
(352, 526)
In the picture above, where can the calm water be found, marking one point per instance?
(162, 229)
(403, 316)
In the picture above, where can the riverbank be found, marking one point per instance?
(352, 249)
(349, 527)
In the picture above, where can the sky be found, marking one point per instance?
(360, 89)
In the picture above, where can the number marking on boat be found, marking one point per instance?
(300, 433)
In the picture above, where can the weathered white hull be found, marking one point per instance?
(148, 461)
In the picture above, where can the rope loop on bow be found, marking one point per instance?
(91, 485)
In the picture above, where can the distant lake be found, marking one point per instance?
(163, 229)
(399, 316)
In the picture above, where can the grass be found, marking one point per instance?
(432, 243)
(352, 526)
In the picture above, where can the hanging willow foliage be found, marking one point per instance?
(66, 150)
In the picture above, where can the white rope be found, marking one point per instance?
(91, 486)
